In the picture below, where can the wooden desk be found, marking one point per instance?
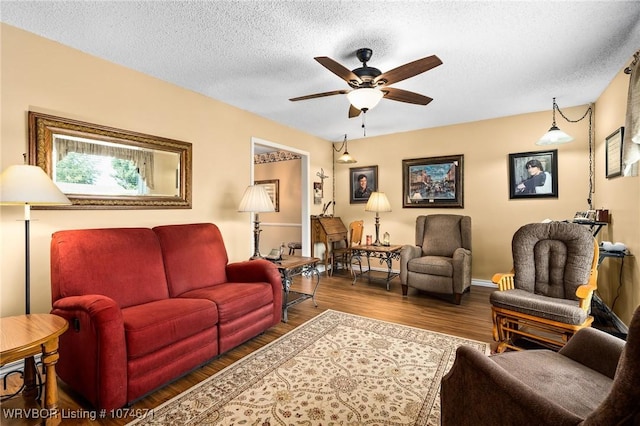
(23, 337)
(386, 254)
(289, 267)
(327, 230)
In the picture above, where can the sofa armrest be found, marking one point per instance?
(259, 270)
(407, 253)
(595, 349)
(476, 388)
(93, 352)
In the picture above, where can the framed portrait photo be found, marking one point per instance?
(273, 189)
(362, 182)
(433, 182)
(533, 174)
(613, 165)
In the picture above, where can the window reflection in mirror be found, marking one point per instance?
(101, 167)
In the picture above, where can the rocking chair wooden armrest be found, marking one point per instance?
(504, 280)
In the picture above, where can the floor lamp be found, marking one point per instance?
(256, 200)
(378, 202)
(29, 186)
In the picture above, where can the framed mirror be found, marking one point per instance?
(99, 167)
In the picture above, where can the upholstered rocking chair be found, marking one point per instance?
(547, 296)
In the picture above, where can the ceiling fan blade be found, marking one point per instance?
(319, 95)
(409, 70)
(405, 96)
(339, 70)
(353, 111)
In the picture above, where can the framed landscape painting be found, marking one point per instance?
(433, 182)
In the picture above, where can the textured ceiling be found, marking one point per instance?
(499, 58)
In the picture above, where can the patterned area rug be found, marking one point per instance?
(336, 369)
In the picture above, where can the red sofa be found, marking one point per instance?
(146, 306)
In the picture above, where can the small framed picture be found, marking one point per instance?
(273, 189)
(533, 174)
(613, 165)
(317, 193)
(433, 182)
(362, 182)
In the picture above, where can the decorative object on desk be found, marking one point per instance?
(374, 372)
(256, 200)
(602, 215)
(362, 182)
(369, 240)
(555, 137)
(378, 202)
(29, 186)
(533, 174)
(272, 186)
(433, 182)
(613, 153)
(386, 239)
(609, 246)
(345, 158)
(585, 216)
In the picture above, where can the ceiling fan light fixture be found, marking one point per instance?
(365, 98)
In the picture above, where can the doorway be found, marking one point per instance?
(259, 146)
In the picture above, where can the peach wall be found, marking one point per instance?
(41, 75)
(45, 76)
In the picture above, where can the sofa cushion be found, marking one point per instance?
(235, 300)
(124, 264)
(442, 235)
(561, 310)
(152, 326)
(194, 256)
(562, 380)
(432, 265)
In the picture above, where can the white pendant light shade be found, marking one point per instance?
(365, 98)
(256, 199)
(554, 136)
(24, 184)
(346, 158)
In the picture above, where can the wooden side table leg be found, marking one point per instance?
(50, 357)
(30, 387)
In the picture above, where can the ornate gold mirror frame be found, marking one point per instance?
(99, 167)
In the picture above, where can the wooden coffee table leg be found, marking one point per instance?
(30, 387)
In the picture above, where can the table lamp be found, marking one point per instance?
(378, 202)
(256, 200)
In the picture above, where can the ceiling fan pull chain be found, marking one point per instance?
(364, 128)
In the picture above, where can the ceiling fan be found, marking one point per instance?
(369, 84)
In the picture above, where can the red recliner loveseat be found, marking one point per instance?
(146, 306)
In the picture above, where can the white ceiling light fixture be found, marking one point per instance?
(365, 98)
(554, 136)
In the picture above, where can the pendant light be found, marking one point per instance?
(554, 136)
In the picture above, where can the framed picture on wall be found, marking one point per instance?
(273, 189)
(533, 174)
(613, 165)
(433, 182)
(362, 182)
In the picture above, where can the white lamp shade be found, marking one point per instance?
(554, 136)
(24, 184)
(256, 199)
(346, 158)
(365, 98)
(378, 202)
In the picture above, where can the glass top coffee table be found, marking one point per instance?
(385, 254)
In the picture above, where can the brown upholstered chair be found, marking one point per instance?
(440, 262)
(593, 380)
(342, 255)
(547, 296)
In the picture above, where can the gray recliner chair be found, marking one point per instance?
(440, 261)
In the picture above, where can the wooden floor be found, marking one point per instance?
(471, 319)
